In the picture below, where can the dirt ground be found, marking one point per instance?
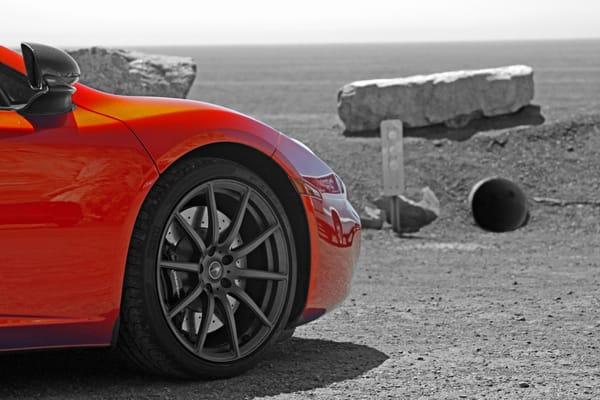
(452, 312)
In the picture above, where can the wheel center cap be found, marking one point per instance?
(215, 270)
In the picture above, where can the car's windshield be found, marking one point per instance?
(14, 87)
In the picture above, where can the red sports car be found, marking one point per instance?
(189, 236)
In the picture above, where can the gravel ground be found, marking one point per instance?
(473, 317)
(452, 312)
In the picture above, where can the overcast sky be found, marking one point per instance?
(126, 22)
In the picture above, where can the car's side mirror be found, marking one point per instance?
(51, 73)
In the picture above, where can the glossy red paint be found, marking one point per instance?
(71, 188)
(334, 228)
(170, 128)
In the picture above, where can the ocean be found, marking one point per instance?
(300, 80)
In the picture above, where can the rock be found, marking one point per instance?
(524, 384)
(449, 98)
(372, 218)
(134, 73)
(413, 215)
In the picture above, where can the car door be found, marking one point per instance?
(70, 189)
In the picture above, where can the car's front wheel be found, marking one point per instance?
(210, 274)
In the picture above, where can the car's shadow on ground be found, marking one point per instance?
(296, 365)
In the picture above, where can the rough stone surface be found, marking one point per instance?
(413, 215)
(134, 73)
(372, 218)
(449, 98)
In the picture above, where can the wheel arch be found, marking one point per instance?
(270, 171)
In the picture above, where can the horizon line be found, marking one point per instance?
(412, 42)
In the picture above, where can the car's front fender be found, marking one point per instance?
(334, 230)
(171, 128)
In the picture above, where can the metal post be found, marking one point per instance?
(392, 148)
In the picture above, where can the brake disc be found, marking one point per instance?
(197, 217)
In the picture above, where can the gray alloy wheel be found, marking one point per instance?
(211, 272)
(219, 294)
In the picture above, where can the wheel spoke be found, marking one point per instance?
(180, 266)
(229, 320)
(236, 225)
(186, 301)
(243, 297)
(226, 221)
(207, 315)
(246, 273)
(213, 214)
(191, 232)
(247, 248)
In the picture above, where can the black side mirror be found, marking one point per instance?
(51, 73)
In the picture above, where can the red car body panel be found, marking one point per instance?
(334, 230)
(170, 128)
(71, 188)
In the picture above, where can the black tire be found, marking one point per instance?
(286, 335)
(159, 343)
